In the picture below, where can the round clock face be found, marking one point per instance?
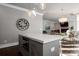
(22, 24)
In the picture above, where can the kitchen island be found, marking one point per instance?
(39, 44)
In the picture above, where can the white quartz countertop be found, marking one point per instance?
(43, 38)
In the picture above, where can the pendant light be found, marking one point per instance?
(62, 19)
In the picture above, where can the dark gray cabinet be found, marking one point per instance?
(36, 48)
(24, 45)
(31, 47)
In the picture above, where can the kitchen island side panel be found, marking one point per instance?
(51, 48)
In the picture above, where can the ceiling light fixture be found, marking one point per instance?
(42, 6)
(34, 12)
(62, 19)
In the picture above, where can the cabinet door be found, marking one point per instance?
(24, 45)
(36, 48)
(23, 51)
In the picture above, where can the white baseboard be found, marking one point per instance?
(8, 45)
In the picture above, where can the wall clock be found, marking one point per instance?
(22, 24)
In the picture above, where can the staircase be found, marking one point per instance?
(69, 47)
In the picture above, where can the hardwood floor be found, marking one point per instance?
(10, 51)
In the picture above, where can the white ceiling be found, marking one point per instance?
(53, 10)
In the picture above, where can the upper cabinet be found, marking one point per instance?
(72, 20)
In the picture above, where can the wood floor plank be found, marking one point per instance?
(10, 51)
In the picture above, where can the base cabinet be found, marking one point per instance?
(24, 45)
(36, 48)
(30, 47)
